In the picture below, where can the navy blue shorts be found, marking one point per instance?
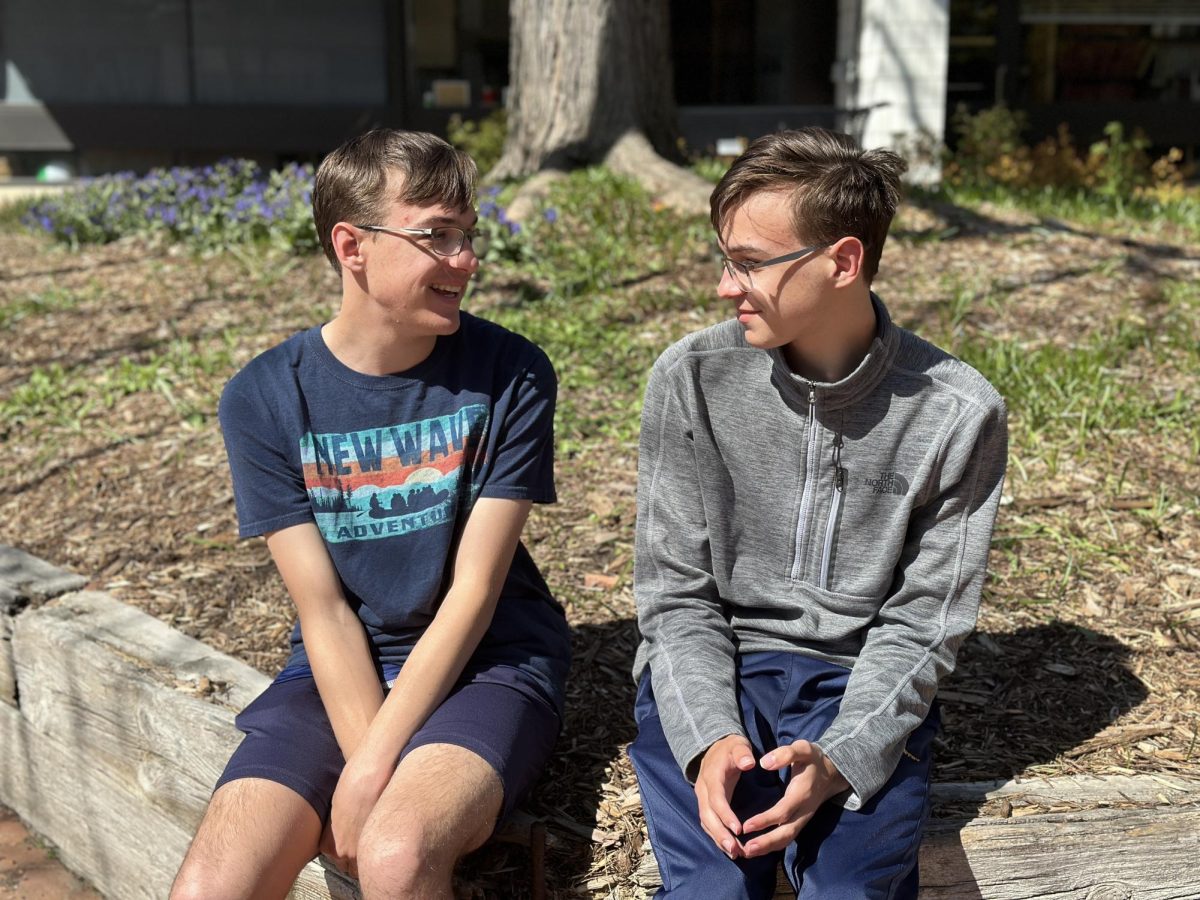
(289, 739)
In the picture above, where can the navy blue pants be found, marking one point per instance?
(866, 853)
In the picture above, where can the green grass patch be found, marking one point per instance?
(188, 375)
(1106, 212)
(1063, 392)
(606, 233)
(53, 299)
(602, 354)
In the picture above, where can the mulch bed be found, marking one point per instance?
(1084, 661)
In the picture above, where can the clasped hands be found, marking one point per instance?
(358, 790)
(814, 779)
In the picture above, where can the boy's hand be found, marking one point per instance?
(814, 780)
(720, 768)
(357, 792)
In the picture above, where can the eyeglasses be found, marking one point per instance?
(741, 272)
(444, 240)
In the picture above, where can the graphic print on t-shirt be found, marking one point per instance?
(391, 480)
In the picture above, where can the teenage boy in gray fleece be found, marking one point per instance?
(817, 490)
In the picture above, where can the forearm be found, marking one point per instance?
(433, 666)
(691, 655)
(347, 681)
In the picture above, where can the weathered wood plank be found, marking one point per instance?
(123, 725)
(128, 848)
(1075, 789)
(1147, 853)
(319, 881)
(122, 688)
(114, 748)
(8, 675)
(1102, 854)
(24, 578)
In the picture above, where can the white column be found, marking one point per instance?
(903, 49)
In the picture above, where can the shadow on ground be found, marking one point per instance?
(1016, 701)
(1031, 696)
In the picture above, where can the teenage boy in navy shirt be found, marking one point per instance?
(391, 456)
(817, 490)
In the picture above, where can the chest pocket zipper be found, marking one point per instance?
(835, 510)
(810, 471)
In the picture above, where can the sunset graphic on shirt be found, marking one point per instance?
(390, 480)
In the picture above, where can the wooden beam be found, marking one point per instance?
(1127, 836)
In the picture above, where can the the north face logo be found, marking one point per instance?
(888, 483)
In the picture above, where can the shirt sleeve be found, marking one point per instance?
(930, 610)
(522, 464)
(687, 638)
(268, 476)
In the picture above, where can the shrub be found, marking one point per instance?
(991, 153)
(483, 140)
(211, 208)
(603, 229)
(990, 149)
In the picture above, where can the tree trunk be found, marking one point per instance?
(591, 83)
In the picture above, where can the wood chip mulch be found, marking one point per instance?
(1085, 659)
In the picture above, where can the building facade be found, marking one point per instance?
(89, 86)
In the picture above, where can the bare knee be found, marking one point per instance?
(406, 860)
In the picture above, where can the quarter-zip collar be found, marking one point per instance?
(856, 385)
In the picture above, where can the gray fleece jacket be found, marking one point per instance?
(849, 522)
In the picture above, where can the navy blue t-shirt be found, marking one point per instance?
(388, 467)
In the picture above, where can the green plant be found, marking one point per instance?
(51, 300)
(482, 139)
(186, 374)
(601, 230)
(990, 153)
(989, 147)
(1119, 163)
(710, 168)
(13, 212)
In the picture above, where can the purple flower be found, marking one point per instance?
(514, 228)
(550, 215)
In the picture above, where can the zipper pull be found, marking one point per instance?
(812, 404)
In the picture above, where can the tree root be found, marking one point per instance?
(631, 155)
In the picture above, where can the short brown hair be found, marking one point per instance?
(352, 182)
(838, 189)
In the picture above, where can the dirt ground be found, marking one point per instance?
(1085, 658)
(29, 871)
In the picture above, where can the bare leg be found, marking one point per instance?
(441, 803)
(254, 839)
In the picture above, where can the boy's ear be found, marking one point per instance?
(347, 244)
(848, 255)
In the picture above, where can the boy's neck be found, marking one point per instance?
(373, 347)
(842, 337)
